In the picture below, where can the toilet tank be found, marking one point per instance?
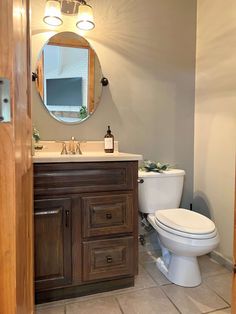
(160, 190)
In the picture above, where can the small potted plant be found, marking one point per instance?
(36, 139)
(153, 166)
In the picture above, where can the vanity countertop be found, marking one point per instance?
(43, 157)
(92, 151)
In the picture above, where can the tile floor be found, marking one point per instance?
(154, 294)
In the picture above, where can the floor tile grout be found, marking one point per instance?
(95, 296)
(218, 295)
(216, 275)
(215, 311)
(149, 280)
(149, 289)
(171, 300)
(120, 307)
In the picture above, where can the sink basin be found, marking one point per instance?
(91, 151)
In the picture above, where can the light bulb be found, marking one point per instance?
(52, 14)
(85, 20)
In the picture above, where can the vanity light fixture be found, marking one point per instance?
(79, 8)
(52, 14)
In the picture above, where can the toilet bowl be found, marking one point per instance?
(183, 234)
(184, 243)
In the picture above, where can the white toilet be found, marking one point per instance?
(183, 234)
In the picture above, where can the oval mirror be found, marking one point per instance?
(68, 78)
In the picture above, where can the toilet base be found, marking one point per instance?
(182, 270)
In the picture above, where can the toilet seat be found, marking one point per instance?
(185, 223)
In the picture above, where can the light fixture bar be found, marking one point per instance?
(70, 7)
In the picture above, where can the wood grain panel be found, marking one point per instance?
(234, 273)
(76, 240)
(64, 178)
(103, 196)
(135, 215)
(91, 81)
(234, 294)
(53, 261)
(89, 288)
(68, 39)
(40, 75)
(107, 258)
(107, 214)
(16, 258)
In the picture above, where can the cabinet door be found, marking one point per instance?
(52, 243)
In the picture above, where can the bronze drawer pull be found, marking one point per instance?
(109, 259)
(67, 218)
(109, 216)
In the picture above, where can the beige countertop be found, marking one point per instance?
(91, 152)
(43, 157)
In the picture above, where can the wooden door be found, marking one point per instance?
(234, 275)
(16, 258)
(53, 243)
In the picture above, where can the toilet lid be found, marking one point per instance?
(184, 220)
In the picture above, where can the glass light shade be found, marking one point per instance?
(85, 19)
(52, 14)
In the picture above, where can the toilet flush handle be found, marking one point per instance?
(140, 180)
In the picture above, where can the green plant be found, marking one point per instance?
(149, 165)
(83, 112)
(36, 135)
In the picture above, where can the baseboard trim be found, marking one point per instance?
(222, 260)
(82, 290)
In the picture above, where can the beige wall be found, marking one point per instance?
(215, 116)
(147, 51)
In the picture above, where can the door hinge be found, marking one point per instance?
(5, 100)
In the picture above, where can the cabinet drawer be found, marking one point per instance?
(61, 178)
(107, 214)
(108, 258)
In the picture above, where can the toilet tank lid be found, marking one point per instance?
(168, 173)
(185, 220)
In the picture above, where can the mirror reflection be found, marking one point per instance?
(69, 78)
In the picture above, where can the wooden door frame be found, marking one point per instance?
(16, 258)
(234, 258)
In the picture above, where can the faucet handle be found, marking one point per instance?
(78, 150)
(64, 149)
(72, 149)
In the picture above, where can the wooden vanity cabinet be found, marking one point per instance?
(86, 228)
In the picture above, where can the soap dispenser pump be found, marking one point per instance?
(109, 141)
